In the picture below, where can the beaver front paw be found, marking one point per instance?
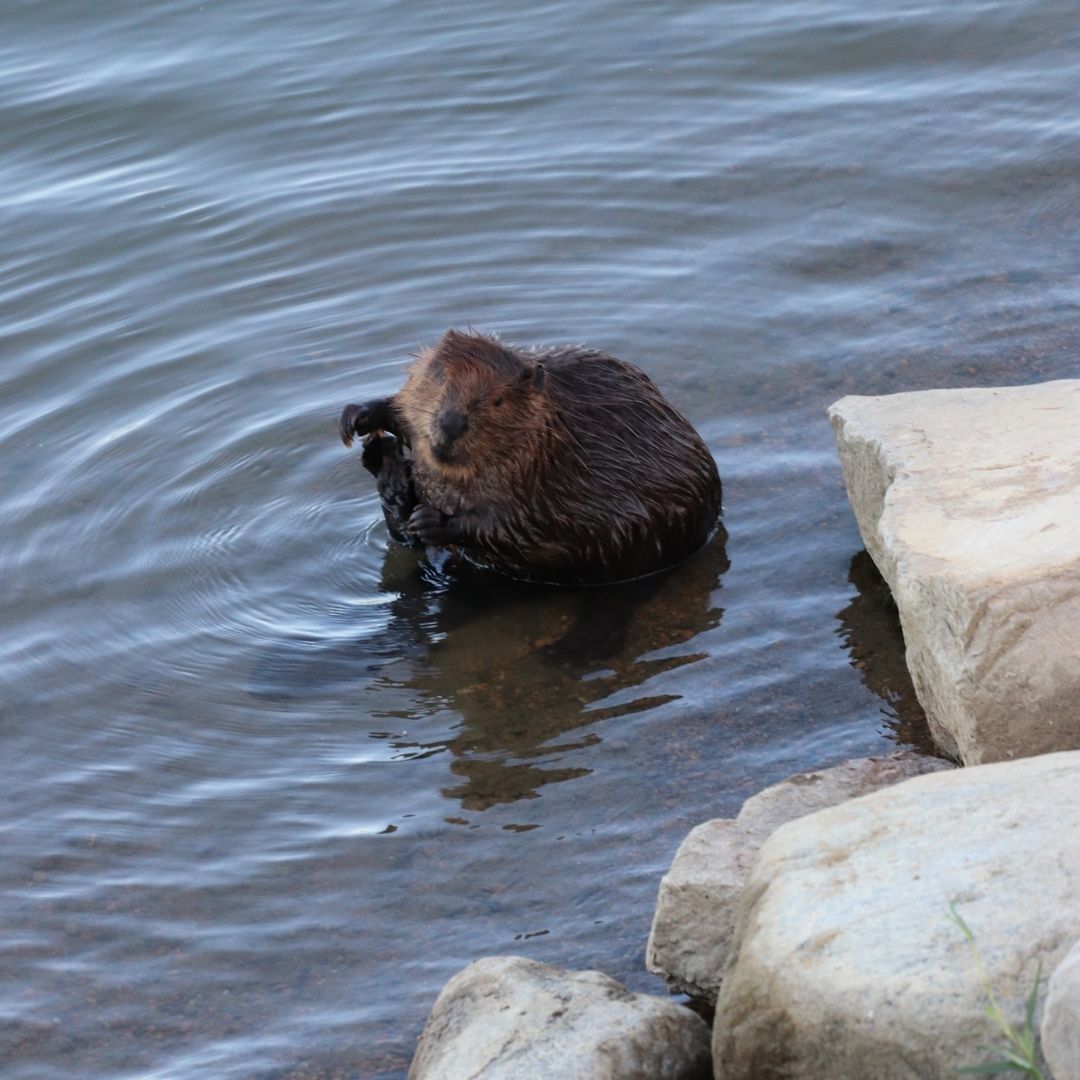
(432, 527)
(355, 420)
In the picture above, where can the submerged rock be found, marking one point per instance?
(1060, 1030)
(508, 1018)
(846, 963)
(969, 503)
(699, 896)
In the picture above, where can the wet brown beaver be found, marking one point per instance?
(562, 465)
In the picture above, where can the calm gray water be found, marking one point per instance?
(268, 783)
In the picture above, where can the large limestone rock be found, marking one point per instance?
(969, 503)
(508, 1018)
(1061, 1019)
(846, 964)
(699, 896)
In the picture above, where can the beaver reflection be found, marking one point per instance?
(870, 628)
(530, 669)
(525, 671)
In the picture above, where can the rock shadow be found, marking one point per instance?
(871, 631)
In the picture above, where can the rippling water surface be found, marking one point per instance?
(269, 782)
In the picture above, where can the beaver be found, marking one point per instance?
(562, 465)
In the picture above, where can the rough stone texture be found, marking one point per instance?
(695, 911)
(846, 964)
(969, 503)
(508, 1018)
(1060, 1030)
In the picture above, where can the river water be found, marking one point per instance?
(269, 782)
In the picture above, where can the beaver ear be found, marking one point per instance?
(534, 373)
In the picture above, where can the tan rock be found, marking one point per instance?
(1060, 1029)
(969, 503)
(508, 1018)
(846, 964)
(699, 896)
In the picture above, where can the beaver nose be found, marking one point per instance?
(452, 424)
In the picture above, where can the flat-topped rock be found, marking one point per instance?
(508, 1018)
(846, 963)
(969, 503)
(699, 896)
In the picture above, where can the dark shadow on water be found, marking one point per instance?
(870, 628)
(529, 669)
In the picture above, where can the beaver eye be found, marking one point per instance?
(498, 400)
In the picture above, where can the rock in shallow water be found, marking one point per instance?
(508, 1018)
(699, 896)
(969, 503)
(846, 963)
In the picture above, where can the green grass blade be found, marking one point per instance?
(1019, 1048)
(958, 919)
(1033, 997)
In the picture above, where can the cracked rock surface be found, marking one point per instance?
(846, 963)
(969, 503)
(509, 1018)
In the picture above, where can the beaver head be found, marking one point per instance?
(468, 403)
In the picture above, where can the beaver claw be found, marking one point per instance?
(355, 420)
(432, 527)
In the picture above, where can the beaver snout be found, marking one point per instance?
(452, 424)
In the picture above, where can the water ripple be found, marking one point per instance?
(262, 760)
